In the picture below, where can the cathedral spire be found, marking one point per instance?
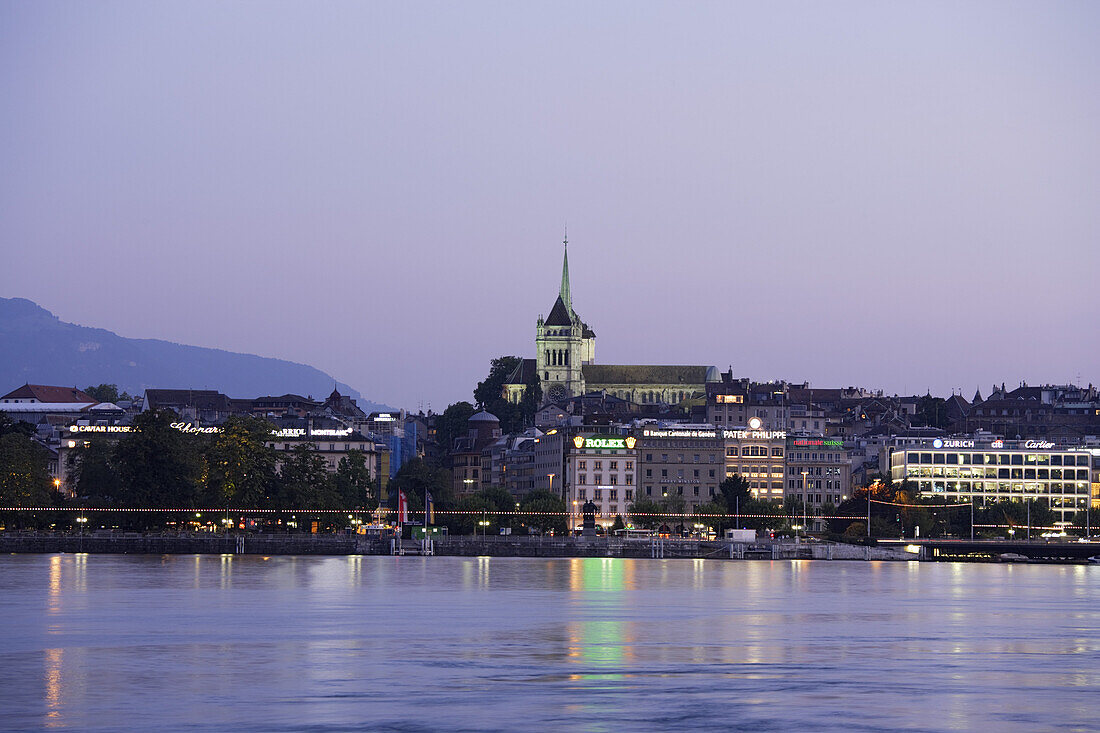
(564, 292)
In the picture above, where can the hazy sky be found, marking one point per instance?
(902, 197)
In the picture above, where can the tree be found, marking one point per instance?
(158, 466)
(735, 493)
(304, 482)
(618, 523)
(353, 483)
(416, 477)
(242, 464)
(491, 389)
(24, 468)
(546, 511)
(642, 513)
(107, 393)
(93, 476)
(532, 398)
(453, 423)
(489, 394)
(931, 412)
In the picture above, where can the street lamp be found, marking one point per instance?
(484, 524)
(81, 521)
(805, 496)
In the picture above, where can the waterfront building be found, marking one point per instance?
(601, 468)
(549, 462)
(470, 461)
(680, 465)
(757, 455)
(818, 471)
(332, 441)
(962, 470)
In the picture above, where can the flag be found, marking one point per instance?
(402, 508)
(429, 509)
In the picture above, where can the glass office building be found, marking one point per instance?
(959, 471)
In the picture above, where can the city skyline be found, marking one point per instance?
(895, 198)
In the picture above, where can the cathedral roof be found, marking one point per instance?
(597, 374)
(559, 314)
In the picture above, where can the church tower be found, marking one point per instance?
(563, 343)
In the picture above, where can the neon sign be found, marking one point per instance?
(605, 443)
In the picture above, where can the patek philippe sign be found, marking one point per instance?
(754, 434)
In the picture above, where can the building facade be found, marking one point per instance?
(601, 468)
(962, 470)
(680, 466)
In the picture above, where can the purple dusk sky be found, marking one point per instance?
(900, 197)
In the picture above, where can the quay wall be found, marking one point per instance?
(134, 543)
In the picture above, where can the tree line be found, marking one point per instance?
(155, 466)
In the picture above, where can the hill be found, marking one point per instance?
(37, 347)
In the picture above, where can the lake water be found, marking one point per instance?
(209, 643)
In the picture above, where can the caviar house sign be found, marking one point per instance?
(183, 427)
(600, 442)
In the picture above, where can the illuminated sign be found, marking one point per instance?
(939, 443)
(384, 417)
(729, 398)
(183, 427)
(997, 444)
(605, 443)
(817, 443)
(99, 428)
(186, 427)
(755, 423)
(679, 434)
(332, 433)
(289, 433)
(1040, 444)
(754, 434)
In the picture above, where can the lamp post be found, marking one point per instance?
(805, 496)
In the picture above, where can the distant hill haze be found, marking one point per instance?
(37, 347)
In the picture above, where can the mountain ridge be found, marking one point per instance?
(38, 347)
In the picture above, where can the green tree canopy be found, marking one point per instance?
(24, 467)
(304, 482)
(107, 393)
(93, 476)
(159, 466)
(353, 482)
(453, 423)
(547, 512)
(241, 463)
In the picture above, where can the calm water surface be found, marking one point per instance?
(140, 643)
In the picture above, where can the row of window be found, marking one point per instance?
(679, 491)
(597, 479)
(814, 484)
(679, 473)
(750, 451)
(610, 494)
(1073, 474)
(598, 465)
(999, 459)
(695, 458)
(1006, 487)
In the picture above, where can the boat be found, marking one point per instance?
(1011, 557)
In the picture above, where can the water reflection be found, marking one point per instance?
(594, 643)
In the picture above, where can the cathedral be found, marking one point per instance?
(565, 361)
